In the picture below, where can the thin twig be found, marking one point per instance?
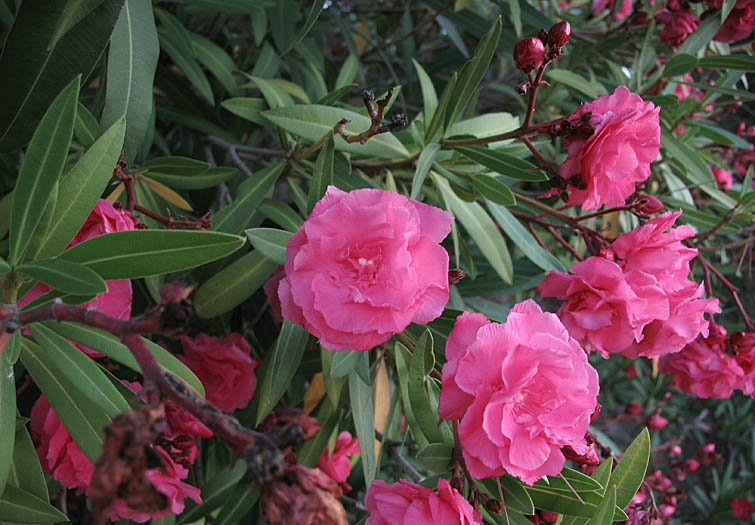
(232, 153)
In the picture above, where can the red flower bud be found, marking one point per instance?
(649, 204)
(739, 130)
(559, 34)
(549, 517)
(667, 510)
(529, 54)
(691, 465)
(633, 408)
(710, 448)
(656, 422)
(674, 451)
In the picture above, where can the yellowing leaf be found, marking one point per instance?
(382, 401)
(315, 392)
(359, 41)
(115, 193)
(168, 194)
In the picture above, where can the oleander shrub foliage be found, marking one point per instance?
(337, 262)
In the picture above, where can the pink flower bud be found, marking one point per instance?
(559, 34)
(750, 131)
(710, 448)
(740, 129)
(529, 54)
(691, 465)
(656, 422)
(667, 510)
(664, 483)
(607, 253)
(633, 408)
(549, 517)
(649, 204)
(675, 451)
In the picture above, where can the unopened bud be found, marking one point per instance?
(674, 451)
(667, 510)
(529, 54)
(710, 448)
(750, 131)
(559, 34)
(633, 408)
(548, 516)
(740, 129)
(656, 421)
(649, 204)
(691, 465)
(455, 275)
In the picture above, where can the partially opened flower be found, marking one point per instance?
(363, 266)
(337, 464)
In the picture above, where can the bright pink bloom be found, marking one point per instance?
(363, 266)
(702, 368)
(739, 24)
(500, 378)
(337, 465)
(271, 291)
(742, 508)
(405, 503)
(724, 178)
(608, 163)
(621, 12)
(58, 453)
(116, 302)
(678, 26)
(225, 368)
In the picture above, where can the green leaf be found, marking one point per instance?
(238, 504)
(139, 253)
(209, 178)
(313, 121)
(436, 124)
(514, 493)
(37, 239)
(66, 276)
(336, 95)
(362, 411)
(481, 228)
(86, 126)
(81, 188)
(524, 239)
(109, 345)
(214, 58)
(437, 457)
(275, 96)
(74, 12)
(314, 13)
(604, 514)
(701, 37)
(41, 169)
(270, 242)
(76, 367)
(20, 506)
(281, 214)
(403, 361)
(232, 285)
(565, 502)
(216, 491)
(429, 96)
(333, 385)
(348, 72)
(247, 108)
(629, 473)
(280, 366)
(424, 163)
(5, 267)
(328, 416)
(249, 195)
(39, 70)
(493, 189)
(344, 363)
(131, 64)
(570, 79)
(421, 364)
(679, 64)
(323, 174)
(502, 163)
(83, 419)
(735, 62)
(13, 348)
(7, 416)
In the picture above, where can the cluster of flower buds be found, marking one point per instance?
(744, 131)
(533, 52)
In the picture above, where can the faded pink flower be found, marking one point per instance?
(502, 380)
(621, 12)
(363, 266)
(744, 354)
(224, 367)
(702, 368)
(337, 464)
(116, 302)
(739, 24)
(679, 24)
(404, 503)
(604, 167)
(724, 178)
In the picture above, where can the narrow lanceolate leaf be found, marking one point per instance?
(503, 163)
(216, 491)
(4, 266)
(421, 364)
(214, 58)
(314, 13)
(493, 189)
(281, 214)
(629, 473)
(73, 13)
(280, 366)
(436, 128)
(323, 174)
(80, 189)
(78, 369)
(270, 242)
(139, 253)
(66, 276)
(131, 65)
(429, 96)
(604, 514)
(20, 506)
(481, 228)
(7, 416)
(86, 126)
(425, 161)
(437, 457)
(41, 168)
(166, 193)
(362, 411)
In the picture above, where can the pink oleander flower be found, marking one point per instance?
(744, 354)
(742, 508)
(724, 178)
(679, 24)
(224, 367)
(739, 24)
(621, 12)
(337, 464)
(523, 389)
(404, 503)
(116, 302)
(604, 167)
(363, 266)
(743, 160)
(702, 368)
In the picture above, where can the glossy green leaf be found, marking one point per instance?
(37, 239)
(333, 385)
(328, 416)
(26, 471)
(524, 239)
(215, 491)
(139, 253)
(436, 128)
(75, 366)
(503, 163)
(175, 166)
(86, 126)
(66, 276)
(629, 473)
(403, 361)
(249, 195)
(132, 60)
(281, 214)
(424, 163)
(83, 419)
(238, 504)
(323, 173)
(717, 134)
(570, 79)
(13, 348)
(7, 416)
(701, 37)
(207, 179)
(429, 96)
(602, 475)
(313, 121)
(336, 95)
(111, 346)
(514, 493)
(80, 189)
(232, 285)
(20, 506)
(41, 169)
(274, 94)
(565, 502)
(4, 267)
(481, 228)
(344, 362)
(437, 457)
(419, 389)
(214, 58)
(280, 366)
(604, 514)
(362, 411)
(679, 64)
(73, 13)
(270, 242)
(247, 108)
(729, 62)
(348, 72)
(493, 189)
(314, 14)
